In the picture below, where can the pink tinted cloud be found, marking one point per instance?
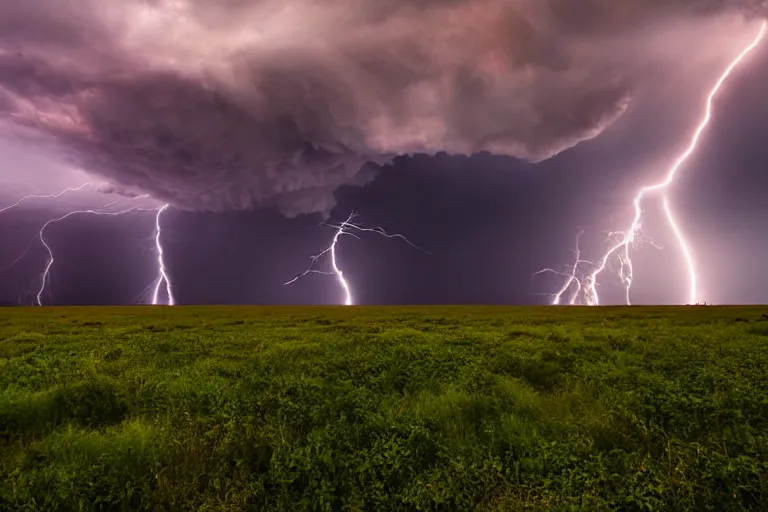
(215, 105)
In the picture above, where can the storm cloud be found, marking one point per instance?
(237, 104)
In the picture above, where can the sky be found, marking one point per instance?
(489, 144)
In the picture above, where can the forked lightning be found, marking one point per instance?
(345, 228)
(163, 277)
(572, 278)
(45, 277)
(162, 271)
(620, 250)
(47, 196)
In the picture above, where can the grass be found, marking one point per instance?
(431, 408)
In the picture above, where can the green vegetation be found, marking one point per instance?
(462, 408)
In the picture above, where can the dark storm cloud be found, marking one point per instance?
(215, 105)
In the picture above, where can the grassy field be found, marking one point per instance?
(431, 408)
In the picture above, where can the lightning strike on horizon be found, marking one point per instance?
(571, 278)
(345, 228)
(45, 277)
(621, 249)
(161, 268)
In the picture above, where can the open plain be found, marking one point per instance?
(390, 408)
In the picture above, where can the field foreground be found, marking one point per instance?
(431, 408)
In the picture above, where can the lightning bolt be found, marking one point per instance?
(39, 196)
(620, 250)
(47, 196)
(571, 278)
(163, 276)
(346, 228)
(45, 277)
(161, 268)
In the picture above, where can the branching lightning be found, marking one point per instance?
(163, 276)
(162, 271)
(47, 196)
(346, 228)
(45, 277)
(620, 250)
(571, 278)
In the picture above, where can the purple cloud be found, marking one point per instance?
(214, 105)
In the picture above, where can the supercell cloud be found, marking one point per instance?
(235, 104)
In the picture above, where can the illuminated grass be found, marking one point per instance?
(462, 408)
